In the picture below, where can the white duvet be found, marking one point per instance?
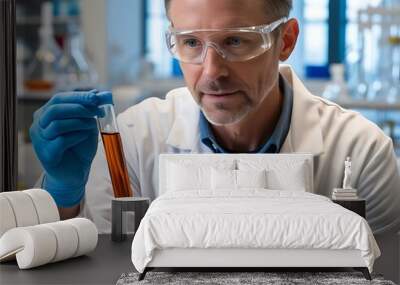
(251, 218)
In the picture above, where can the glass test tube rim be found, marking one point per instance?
(109, 111)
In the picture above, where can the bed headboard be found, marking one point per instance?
(276, 161)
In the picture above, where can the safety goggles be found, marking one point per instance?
(232, 44)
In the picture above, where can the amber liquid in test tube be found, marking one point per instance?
(116, 164)
(114, 152)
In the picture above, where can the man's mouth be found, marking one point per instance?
(220, 93)
(220, 97)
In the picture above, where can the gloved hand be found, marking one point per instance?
(64, 135)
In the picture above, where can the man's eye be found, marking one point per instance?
(191, 43)
(233, 41)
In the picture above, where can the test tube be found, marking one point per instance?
(113, 149)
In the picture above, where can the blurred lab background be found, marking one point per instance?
(349, 52)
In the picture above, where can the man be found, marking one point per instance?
(238, 99)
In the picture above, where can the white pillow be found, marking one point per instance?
(223, 179)
(286, 173)
(236, 179)
(181, 177)
(251, 178)
(293, 179)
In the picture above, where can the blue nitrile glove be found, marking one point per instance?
(64, 135)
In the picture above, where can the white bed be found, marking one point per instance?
(201, 219)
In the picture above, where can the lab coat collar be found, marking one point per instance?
(304, 134)
(184, 133)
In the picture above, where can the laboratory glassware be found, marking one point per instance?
(394, 69)
(361, 85)
(114, 151)
(41, 74)
(337, 88)
(75, 71)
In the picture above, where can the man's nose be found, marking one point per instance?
(214, 65)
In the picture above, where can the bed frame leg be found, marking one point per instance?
(365, 272)
(143, 274)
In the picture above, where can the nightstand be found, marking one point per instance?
(357, 205)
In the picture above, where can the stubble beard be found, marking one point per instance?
(231, 117)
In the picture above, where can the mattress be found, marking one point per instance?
(250, 219)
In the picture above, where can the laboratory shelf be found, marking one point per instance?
(36, 20)
(35, 95)
(358, 104)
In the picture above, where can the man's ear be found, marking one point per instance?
(289, 35)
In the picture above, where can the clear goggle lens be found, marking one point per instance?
(238, 44)
(234, 46)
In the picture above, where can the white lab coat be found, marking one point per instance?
(317, 126)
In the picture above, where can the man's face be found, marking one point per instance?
(226, 91)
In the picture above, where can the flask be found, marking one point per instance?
(75, 70)
(336, 90)
(41, 71)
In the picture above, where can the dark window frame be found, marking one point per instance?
(8, 98)
(336, 40)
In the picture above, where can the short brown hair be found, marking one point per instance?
(275, 8)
